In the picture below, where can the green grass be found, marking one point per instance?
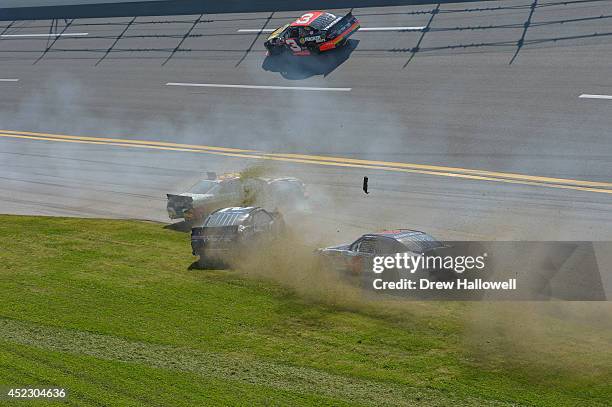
(108, 310)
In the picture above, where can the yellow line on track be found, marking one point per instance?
(481, 175)
(124, 141)
(505, 175)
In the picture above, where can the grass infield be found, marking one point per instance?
(108, 310)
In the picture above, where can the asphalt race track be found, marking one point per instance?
(492, 87)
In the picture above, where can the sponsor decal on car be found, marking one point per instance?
(316, 38)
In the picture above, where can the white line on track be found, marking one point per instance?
(9, 80)
(44, 35)
(216, 85)
(256, 30)
(585, 96)
(269, 30)
(391, 29)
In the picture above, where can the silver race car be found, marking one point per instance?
(230, 190)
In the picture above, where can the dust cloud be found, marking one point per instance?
(493, 333)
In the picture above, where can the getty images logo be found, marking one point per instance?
(412, 263)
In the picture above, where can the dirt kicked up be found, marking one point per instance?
(109, 310)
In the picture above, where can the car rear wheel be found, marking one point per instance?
(313, 49)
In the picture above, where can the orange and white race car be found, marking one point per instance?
(313, 32)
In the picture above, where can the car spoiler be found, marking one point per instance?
(340, 25)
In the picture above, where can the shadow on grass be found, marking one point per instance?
(182, 226)
(208, 264)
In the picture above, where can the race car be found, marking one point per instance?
(313, 32)
(228, 232)
(357, 258)
(231, 189)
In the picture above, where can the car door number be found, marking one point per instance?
(293, 45)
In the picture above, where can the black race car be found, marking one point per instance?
(227, 232)
(357, 258)
(313, 32)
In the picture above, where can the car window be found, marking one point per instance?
(294, 32)
(305, 31)
(389, 246)
(355, 245)
(367, 246)
(420, 242)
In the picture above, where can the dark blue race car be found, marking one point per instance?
(357, 258)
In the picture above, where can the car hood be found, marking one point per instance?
(277, 32)
(338, 248)
(198, 197)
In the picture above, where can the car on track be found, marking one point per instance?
(228, 232)
(356, 258)
(312, 33)
(213, 193)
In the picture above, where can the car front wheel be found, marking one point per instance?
(203, 261)
(275, 50)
